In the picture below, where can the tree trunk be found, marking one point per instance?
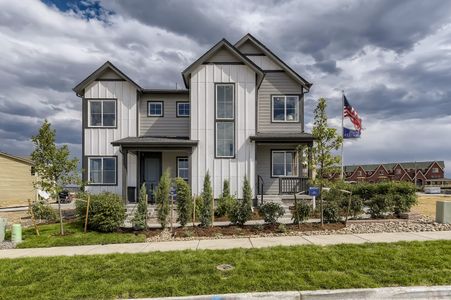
(61, 216)
(321, 204)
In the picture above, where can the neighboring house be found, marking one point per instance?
(16, 180)
(242, 114)
(426, 172)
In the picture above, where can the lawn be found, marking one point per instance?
(426, 204)
(194, 272)
(49, 237)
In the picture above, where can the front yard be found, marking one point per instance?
(194, 272)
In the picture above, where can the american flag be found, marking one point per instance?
(351, 113)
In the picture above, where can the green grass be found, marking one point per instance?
(49, 237)
(194, 272)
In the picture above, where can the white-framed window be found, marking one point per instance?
(183, 109)
(102, 113)
(102, 170)
(284, 163)
(285, 108)
(225, 120)
(435, 170)
(183, 167)
(155, 109)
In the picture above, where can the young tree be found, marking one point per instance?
(140, 218)
(241, 211)
(326, 140)
(162, 198)
(53, 165)
(184, 201)
(207, 200)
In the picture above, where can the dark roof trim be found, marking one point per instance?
(79, 88)
(154, 142)
(17, 158)
(164, 91)
(280, 138)
(269, 53)
(186, 74)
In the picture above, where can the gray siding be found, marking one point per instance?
(224, 55)
(169, 161)
(278, 83)
(169, 124)
(249, 48)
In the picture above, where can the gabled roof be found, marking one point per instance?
(24, 159)
(293, 74)
(222, 43)
(391, 166)
(78, 89)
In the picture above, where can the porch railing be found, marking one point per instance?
(260, 188)
(290, 185)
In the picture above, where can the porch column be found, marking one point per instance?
(310, 166)
(124, 175)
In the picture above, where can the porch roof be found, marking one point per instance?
(278, 137)
(155, 142)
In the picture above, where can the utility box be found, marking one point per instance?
(443, 212)
(3, 222)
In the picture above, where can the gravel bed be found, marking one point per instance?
(420, 225)
(7, 245)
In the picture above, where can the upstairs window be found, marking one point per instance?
(155, 109)
(102, 170)
(183, 109)
(434, 170)
(102, 113)
(285, 108)
(284, 163)
(225, 120)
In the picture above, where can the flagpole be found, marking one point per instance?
(342, 133)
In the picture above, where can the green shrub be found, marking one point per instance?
(106, 212)
(331, 213)
(198, 206)
(356, 208)
(270, 212)
(162, 199)
(301, 212)
(225, 201)
(184, 201)
(43, 211)
(241, 212)
(282, 228)
(403, 202)
(207, 201)
(140, 219)
(379, 205)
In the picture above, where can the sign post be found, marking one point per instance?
(314, 192)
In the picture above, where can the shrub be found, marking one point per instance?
(301, 213)
(282, 228)
(331, 213)
(270, 212)
(379, 205)
(106, 212)
(225, 201)
(184, 201)
(140, 219)
(241, 211)
(162, 199)
(43, 211)
(207, 201)
(356, 206)
(198, 206)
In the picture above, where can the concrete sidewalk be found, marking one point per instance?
(215, 244)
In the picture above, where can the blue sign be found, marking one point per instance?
(313, 191)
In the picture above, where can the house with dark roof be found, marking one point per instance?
(241, 115)
(16, 180)
(422, 172)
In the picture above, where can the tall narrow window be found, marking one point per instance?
(183, 167)
(102, 170)
(285, 108)
(102, 113)
(225, 120)
(284, 163)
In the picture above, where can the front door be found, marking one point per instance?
(151, 173)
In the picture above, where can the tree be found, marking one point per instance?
(241, 211)
(140, 218)
(326, 140)
(53, 165)
(207, 201)
(162, 198)
(184, 201)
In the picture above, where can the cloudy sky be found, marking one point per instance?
(392, 58)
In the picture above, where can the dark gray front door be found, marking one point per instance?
(151, 171)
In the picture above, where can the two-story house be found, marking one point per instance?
(241, 114)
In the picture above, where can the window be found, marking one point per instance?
(284, 163)
(154, 108)
(285, 108)
(225, 121)
(102, 113)
(183, 167)
(434, 170)
(102, 170)
(398, 171)
(359, 173)
(381, 173)
(183, 109)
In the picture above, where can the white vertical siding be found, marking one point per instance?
(98, 140)
(202, 127)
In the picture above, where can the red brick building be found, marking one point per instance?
(405, 171)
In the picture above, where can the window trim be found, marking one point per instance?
(298, 112)
(88, 157)
(177, 103)
(284, 151)
(225, 120)
(155, 102)
(178, 164)
(88, 112)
